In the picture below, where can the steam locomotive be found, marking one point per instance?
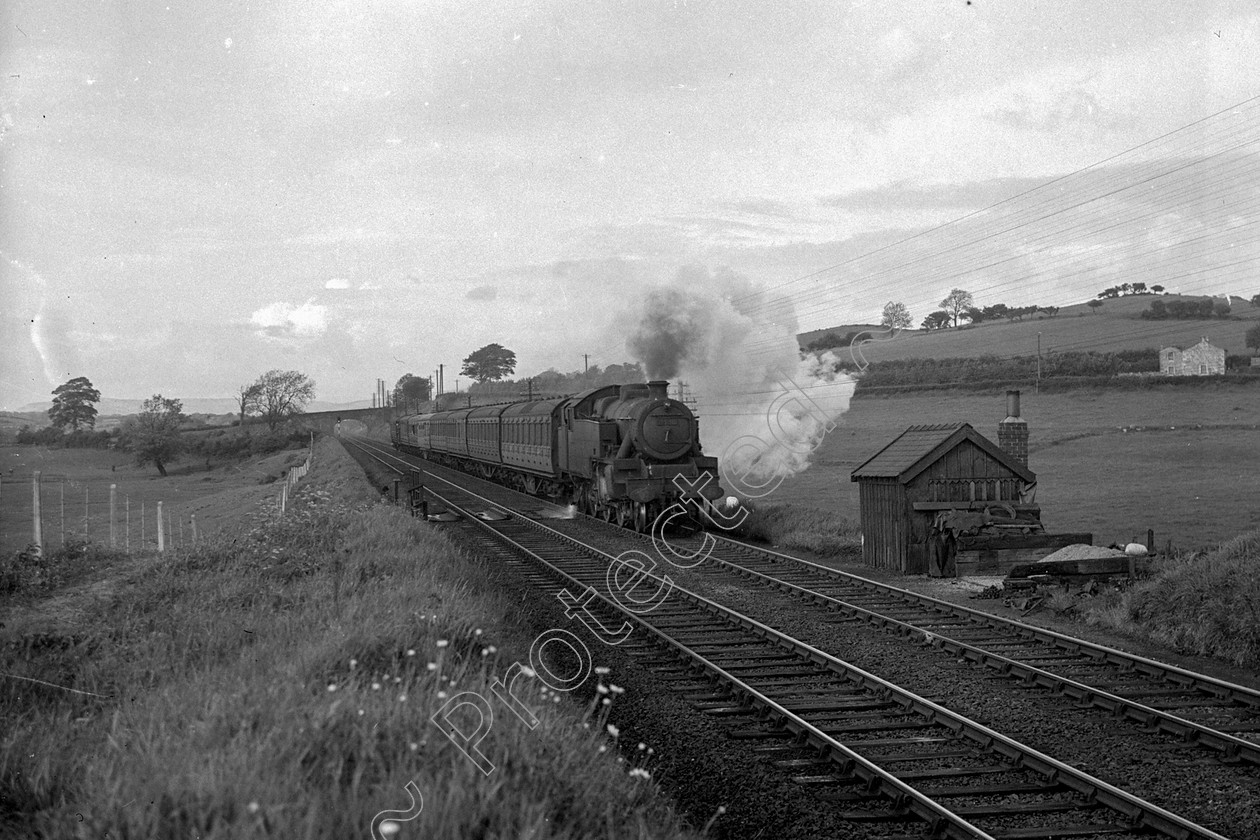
(614, 451)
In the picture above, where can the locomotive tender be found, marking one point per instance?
(614, 451)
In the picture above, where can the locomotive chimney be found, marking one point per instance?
(1013, 431)
(658, 389)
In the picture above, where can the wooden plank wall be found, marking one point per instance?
(882, 504)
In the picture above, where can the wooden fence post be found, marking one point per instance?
(161, 536)
(113, 511)
(39, 525)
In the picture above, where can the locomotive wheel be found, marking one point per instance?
(624, 516)
(607, 512)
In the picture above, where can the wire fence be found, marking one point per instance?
(52, 510)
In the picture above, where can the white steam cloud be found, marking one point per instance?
(762, 409)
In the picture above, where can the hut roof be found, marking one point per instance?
(918, 447)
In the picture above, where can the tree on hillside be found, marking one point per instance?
(1095, 305)
(1159, 290)
(282, 394)
(937, 320)
(72, 404)
(247, 400)
(411, 390)
(492, 362)
(956, 303)
(896, 316)
(1252, 338)
(153, 434)
(1255, 300)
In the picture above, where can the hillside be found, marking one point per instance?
(1116, 325)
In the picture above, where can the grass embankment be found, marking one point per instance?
(1202, 603)
(790, 526)
(278, 681)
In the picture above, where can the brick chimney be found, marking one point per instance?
(1013, 431)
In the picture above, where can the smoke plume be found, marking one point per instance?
(762, 408)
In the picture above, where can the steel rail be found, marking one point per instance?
(1150, 667)
(1139, 813)
(1232, 747)
(903, 796)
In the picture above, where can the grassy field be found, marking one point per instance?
(1115, 326)
(75, 486)
(278, 681)
(1184, 463)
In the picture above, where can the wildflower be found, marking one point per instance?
(389, 827)
(602, 748)
(353, 662)
(253, 807)
(642, 745)
(616, 689)
(477, 632)
(601, 688)
(397, 679)
(413, 746)
(332, 686)
(376, 686)
(640, 773)
(494, 649)
(555, 698)
(606, 701)
(360, 712)
(442, 643)
(441, 695)
(432, 666)
(613, 731)
(411, 651)
(602, 669)
(650, 750)
(402, 698)
(485, 651)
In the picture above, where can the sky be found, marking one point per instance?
(192, 194)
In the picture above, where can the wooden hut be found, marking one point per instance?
(915, 490)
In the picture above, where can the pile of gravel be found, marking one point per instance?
(1080, 551)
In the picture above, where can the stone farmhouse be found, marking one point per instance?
(1200, 360)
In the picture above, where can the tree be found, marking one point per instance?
(896, 316)
(1220, 308)
(247, 398)
(1095, 305)
(492, 362)
(1255, 300)
(282, 394)
(153, 435)
(937, 320)
(1139, 288)
(1252, 338)
(411, 390)
(72, 404)
(956, 303)
(1157, 289)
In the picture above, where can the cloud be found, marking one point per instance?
(281, 320)
(337, 283)
(482, 293)
(368, 286)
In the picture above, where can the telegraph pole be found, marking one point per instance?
(586, 363)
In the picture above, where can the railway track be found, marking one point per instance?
(879, 752)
